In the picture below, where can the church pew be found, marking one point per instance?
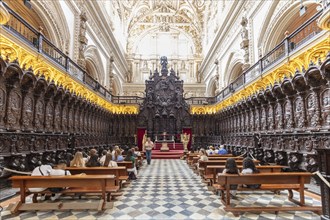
(203, 164)
(75, 184)
(127, 164)
(120, 172)
(269, 182)
(190, 157)
(195, 159)
(211, 171)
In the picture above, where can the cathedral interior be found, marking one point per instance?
(252, 77)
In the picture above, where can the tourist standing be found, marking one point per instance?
(148, 146)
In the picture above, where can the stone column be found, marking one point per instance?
(111, 74)
(82, 40)
(245, 43)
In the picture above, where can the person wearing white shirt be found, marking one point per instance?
(58, 171)
(42, 170)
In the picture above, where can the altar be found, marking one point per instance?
(164, 139)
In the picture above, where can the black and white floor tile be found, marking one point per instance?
(168, 189)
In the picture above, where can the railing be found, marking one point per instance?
(288, 46)
(20, 28)
(127, 100)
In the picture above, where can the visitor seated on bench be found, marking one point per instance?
(78, 160)
(203, 155)
(93, 161)
(248, 168)
(137, 152)
(130, 157)
(231, 168)
(109, 162)
(59, 170)
(216, 150)
(222, 150)
(210, 151)
(91, 153)
(42, 170)
(102, 159)
(118, 155)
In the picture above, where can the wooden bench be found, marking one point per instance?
(212, 170)
(190, 157)
(119, 172)
(127, 164)
(268, 181)
(203, 164)
(195, 159)
(75, 183)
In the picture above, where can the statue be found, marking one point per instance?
(185, 140)
(163, 63)
(144, 140)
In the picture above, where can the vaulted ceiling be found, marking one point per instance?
(140, 17)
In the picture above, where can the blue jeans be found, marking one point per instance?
(148, 156)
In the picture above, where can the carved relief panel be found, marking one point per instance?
(257, 119)
(2, 103)
(311, 110)
(14, 109)
(77, 119)
(52, 143)
(22, 144)
(252, 118)
(70, 119)
(288, 123)
(5, 144)
(325, 108)
(64, 117)
(299, 113)
(270, 118)
(263, 122)
(39, 144)
(57, 117)
(49, 116)
(278, 117)
(27, 112)
(39, 115)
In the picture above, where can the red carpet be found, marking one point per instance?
(176, 146)
(172, 154)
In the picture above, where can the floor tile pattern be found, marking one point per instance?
(169, 189)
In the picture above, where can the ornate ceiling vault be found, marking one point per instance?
(142, 16)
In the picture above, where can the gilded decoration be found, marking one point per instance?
(12, 52)
(4, 14)
(298, 63)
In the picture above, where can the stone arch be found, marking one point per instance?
(211, 89)
(282, 22)
(94, 65)
(233, 68)
(117, 88)
(47, 15)
(55, 21)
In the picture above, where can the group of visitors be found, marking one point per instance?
(108, 158)
(203, 154)
(248, 168)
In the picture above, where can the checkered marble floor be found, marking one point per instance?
(168, 189)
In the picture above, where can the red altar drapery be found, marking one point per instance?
(140, 133)
(188, 131)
